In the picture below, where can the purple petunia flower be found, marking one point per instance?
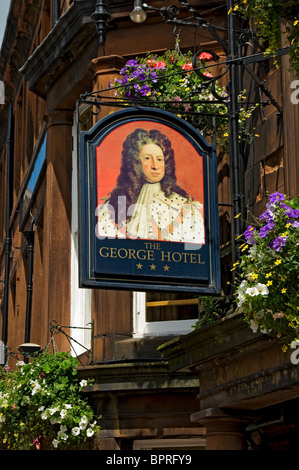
(294, 223)
(278, 242)
(267, 215)
(275, 197)
(145, 90)
(154, 77)
(290, 212)
(132, 63)
(249, 235)
(266, 229)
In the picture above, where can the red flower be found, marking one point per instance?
(187, 66)
(205, 56)
(208, 74)
(159, 64)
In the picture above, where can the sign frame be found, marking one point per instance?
(112, 263)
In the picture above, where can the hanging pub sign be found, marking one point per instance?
(149, 212)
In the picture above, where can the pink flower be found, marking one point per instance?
(36, 442)
(208, 74)
(278, 315)
(205, 56)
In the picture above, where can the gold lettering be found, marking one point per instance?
(166, 256)
(185, 257)
(152, 246)
(175, 258)
(120, 251)
(123, 253)
(132, 253)
(200, 262)
(113, 253)
(141, 254)
(192, 257)
(101, 252)
(163, 256)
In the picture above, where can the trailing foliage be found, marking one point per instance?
(266, 16)
(268, 294)
(209, 311)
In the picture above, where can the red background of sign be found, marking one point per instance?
(188, 163)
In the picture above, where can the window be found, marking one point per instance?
(80, 298)
(160, 314)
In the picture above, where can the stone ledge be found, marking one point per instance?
(222, 337)
(137, 375)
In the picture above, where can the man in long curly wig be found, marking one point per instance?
(147, 202)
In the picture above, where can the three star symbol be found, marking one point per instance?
(153, 267)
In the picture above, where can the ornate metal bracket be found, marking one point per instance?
(55, 328)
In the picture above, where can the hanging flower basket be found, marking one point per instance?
(41, 406)
(169, 81)
(268, 294)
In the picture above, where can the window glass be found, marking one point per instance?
(33, 179)
(170, 306)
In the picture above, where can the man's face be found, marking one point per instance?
(153, 163)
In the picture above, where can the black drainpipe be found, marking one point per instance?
(29, 235)
(7, 240)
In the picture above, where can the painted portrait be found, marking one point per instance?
(150, 185)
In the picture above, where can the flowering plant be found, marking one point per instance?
(43, 400)
(266, 15)
(167, 80)
(268, 294)
(170, 82)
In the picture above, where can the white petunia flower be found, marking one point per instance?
(53, 410)
(55, 443)
(241, 300)
(83, 383)
(252, 251)
(76, 431)
(262, 289)
(252, 291)
(254, 326)
(89, 432)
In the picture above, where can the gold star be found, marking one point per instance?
(153, 267)
(166, 268)
(139, 266)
